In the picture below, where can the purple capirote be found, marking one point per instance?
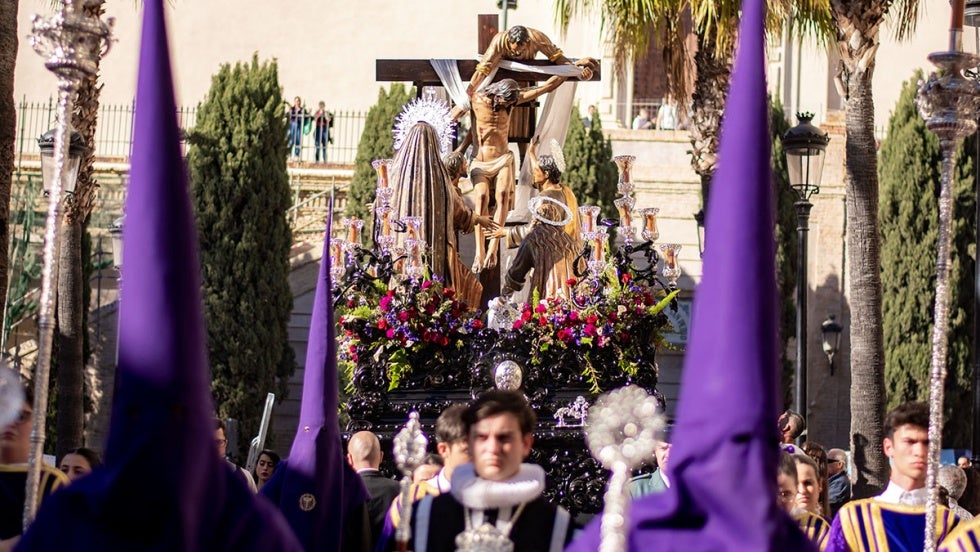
(163, 486)
(724, 456)
(316, 467)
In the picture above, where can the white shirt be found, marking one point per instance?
(895, 494)
(440, 482)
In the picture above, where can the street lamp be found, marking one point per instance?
(699, 219)
(69, 174)
(830, 329)
(115, 234)
(805, 146)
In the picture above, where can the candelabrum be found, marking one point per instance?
(597, 254)
(71, 43)
(409, 450)
(949, 103)
(622, 431)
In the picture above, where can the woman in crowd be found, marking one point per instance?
(265, 466)
(819, 455)
(79, 462)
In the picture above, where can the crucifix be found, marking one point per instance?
(501, 115)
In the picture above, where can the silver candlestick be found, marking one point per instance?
(948, 102)
(409, 449)
(72, 44)
(622, 432)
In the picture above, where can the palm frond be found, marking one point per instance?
(902, 16)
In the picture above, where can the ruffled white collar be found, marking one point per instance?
(480, 494)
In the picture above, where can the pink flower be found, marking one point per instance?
(540, 308)
(590, 329)
(385, 303)
(403, 316)
(518, 324)
(542, 321)
(565, 335)
(390, 334)
(427, 284)
(573, 316)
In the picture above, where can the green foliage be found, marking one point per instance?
(909, 172)
(237, 162)
(787, 246)
(376, 143)
(590, 171)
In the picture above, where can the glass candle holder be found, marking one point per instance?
(625, 207)
(588, 214)
(672, 269)
(650, 231)
(383, 197)
(353, 226)
(625, 165)
(413, 224)
(382, 166)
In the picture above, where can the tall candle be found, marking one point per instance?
(956, 26)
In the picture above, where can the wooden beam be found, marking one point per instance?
(486, 29)
(420, 71)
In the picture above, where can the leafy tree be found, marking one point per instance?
(376, 143)
(910, 184)
(589, 169)
(240, 187)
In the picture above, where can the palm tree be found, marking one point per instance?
(855, 25)
(858, 25)
(631, 26)
(72, 277)
(8, 127)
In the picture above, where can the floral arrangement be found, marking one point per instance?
(617, 326)
(622, 320)
(395, 322)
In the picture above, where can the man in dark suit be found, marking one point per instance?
(364, 455)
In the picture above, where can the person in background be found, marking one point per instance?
(589, 121)
(221, 442)
(15, 448)
(79, 462)
(364, 455)
(667, 114)
(791, 426)
(430, 467)
(838, 484)
(963, 462)
(642, 120)
(265, 466)
(656, 481)
(297, 118)
(819, 455)
(322, 120)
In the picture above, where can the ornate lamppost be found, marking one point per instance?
(805, 146)
(71, 44)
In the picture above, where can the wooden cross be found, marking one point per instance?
(420, 73)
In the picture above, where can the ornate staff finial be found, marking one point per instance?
(409, 449)
(622, 432)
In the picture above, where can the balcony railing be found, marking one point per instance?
(114, 133)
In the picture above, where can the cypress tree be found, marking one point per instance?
(909, 173)
(377, 142)
(590, 171)
(237, 161)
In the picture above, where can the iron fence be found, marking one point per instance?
(114, 132)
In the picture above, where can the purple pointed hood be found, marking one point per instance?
(315, 487)
(724, 456)
(163, 486)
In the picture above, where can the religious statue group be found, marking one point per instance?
(425, 176)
